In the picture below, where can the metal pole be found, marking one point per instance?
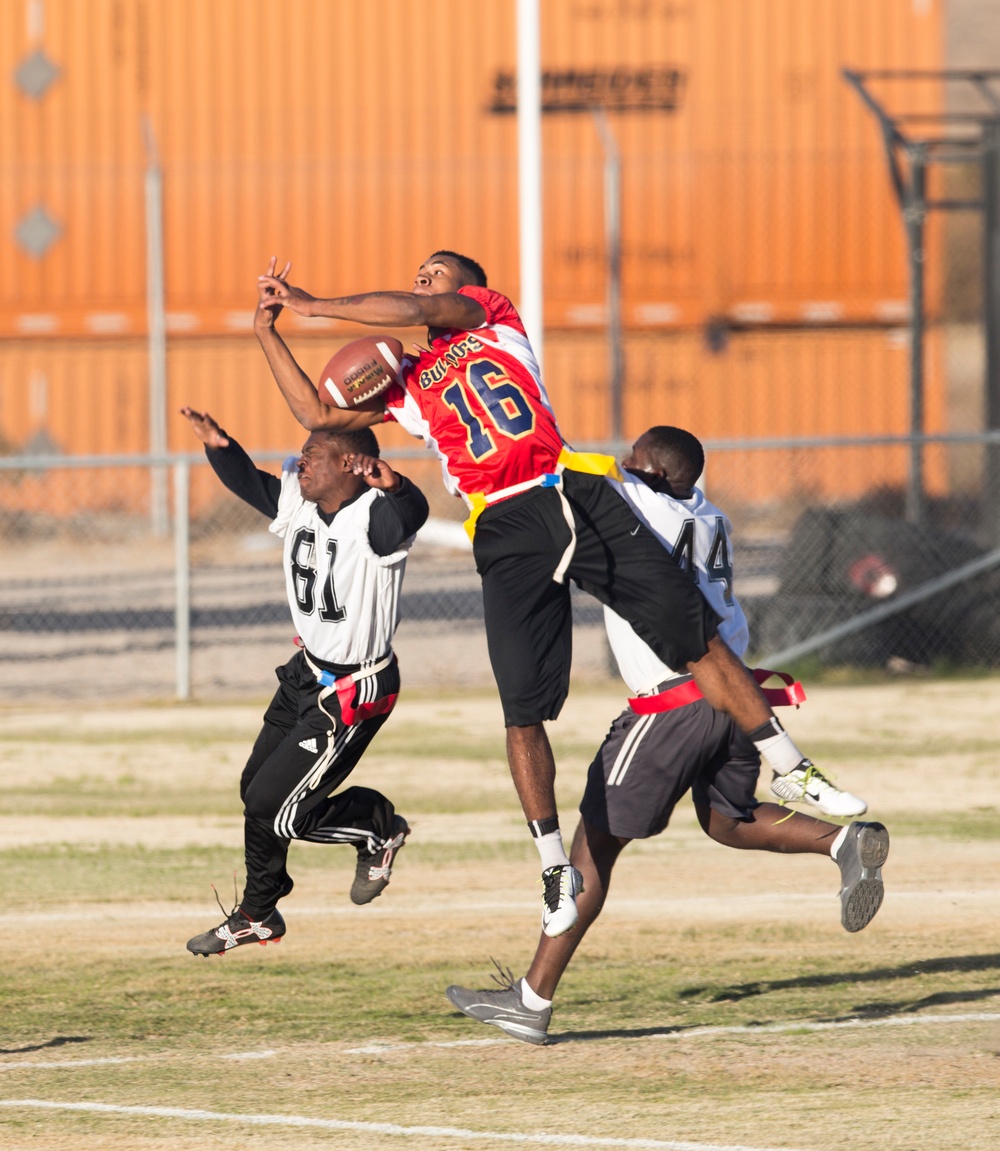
(156, 323)
(989, 517)
(182, 576)
(613, 244)
(529, 170)
(914, 215)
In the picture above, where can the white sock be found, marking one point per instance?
(777, 747)
(835, 846)
(551, 850)
(530, 999)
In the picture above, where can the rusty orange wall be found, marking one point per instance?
(353, 137)
(89, 397)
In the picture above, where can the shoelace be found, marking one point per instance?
(553, 880)
(236, 901)
(504, 979)
(814, 773)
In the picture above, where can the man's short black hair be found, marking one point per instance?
(678, 451)
(467, 264)
(361, 441)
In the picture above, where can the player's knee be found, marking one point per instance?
(723, 829)
(259, 807)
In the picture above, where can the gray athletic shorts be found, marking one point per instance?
(647, 762)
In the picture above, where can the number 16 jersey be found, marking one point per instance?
(476, 398)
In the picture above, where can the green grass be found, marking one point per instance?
(57, 875)
(126, 796)
(160, 1001)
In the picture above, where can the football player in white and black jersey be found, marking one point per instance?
(347, 520)
(669, 741)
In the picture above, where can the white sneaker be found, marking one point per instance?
(562, 885)
(807, 784)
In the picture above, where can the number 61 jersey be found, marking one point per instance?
(343, 597)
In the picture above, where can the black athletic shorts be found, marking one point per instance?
(518, 546)
(647, 762)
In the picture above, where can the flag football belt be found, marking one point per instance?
(687, 691)
(346, 686)
(589, 462)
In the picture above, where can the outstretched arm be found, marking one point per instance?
(388, 309)
(299, 391)
(233, 466)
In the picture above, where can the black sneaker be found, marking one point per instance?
(238, 929)
(374, 868)
(860, 860)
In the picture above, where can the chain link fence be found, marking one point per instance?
(103, 599)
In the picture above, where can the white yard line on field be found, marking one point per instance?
(537, 1139)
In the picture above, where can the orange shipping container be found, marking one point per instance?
(352, 138)
(89, 397)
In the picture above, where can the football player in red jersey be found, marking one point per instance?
(540, 515)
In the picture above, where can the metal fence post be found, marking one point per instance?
(990, 528)
(914, 215)
(156, 319)
(613, 239)
(182, 576)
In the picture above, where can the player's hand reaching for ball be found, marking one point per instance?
(375, 472)
(269, 304)
(206, 429)
(276, 293)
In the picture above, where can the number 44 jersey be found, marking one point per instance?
(344, 598)
(476, 398)
(696, 532)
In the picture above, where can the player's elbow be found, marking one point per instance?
(322, 419)
(325, 418)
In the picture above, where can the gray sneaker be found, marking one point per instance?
(860, 860)
(503, 1008)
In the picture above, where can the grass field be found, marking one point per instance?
(718, 1003)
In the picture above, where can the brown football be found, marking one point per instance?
(358, 374)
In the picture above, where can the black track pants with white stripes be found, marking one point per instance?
(294, 766)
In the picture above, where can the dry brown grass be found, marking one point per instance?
(889, 1039)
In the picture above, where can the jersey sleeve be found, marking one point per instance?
(396, 518)
(237, 471)
(289, 498)
(395, 394)
(498, 308)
